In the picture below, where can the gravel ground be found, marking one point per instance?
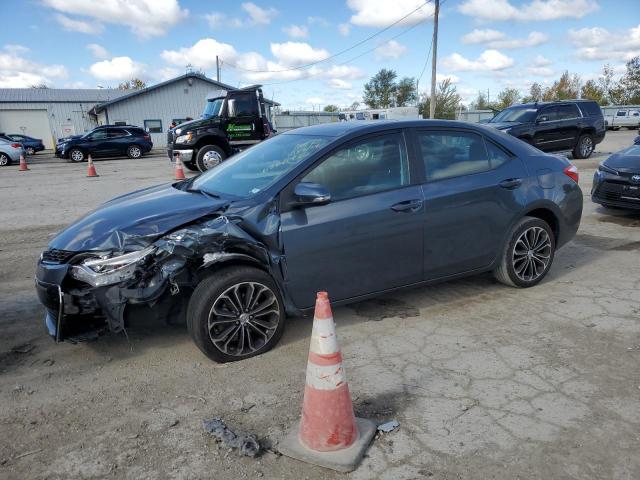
(486, 381)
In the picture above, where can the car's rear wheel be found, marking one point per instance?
(528, 254)
(134, 151)
(30, 151)
(76, 155)
(191, 166)
(584, 147)
(236, 313)
(4, 160)
(209, 156)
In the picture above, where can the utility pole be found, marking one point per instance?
(217, 68)
(432, 103)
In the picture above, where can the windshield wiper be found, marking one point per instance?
(203, 192)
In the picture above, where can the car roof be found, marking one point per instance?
(555, 102)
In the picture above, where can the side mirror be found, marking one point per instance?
(231, 108)
(307, 194)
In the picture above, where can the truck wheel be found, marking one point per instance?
(209, 156)
(191, 166)
(236, 313)
(584, 147)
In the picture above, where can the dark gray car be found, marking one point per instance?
(353, 208)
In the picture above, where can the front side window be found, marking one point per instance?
(515, 114)
(622, 113)
(449, 154)
(153, 126)
(369, 166)
(567, 112)
(97, 135)
(243, 105)
(548, 114)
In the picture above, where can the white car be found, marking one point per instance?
(624, 117)
(10, 152)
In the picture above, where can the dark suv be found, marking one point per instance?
(104, 141)
(576, 125)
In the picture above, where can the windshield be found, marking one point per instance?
(515, 114)
(258, 167)
(213, 107)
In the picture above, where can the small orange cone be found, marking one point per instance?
(23, 164)
(329, 434)
(91, 170)
(179, 171)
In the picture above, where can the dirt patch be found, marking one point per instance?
(632, 220)
(606, 243)
(381, 308)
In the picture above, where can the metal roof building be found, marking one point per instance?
(52, 113)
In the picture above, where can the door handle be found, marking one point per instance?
(511, 183)
(407, 206)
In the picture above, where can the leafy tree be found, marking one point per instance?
(381, 90)
(481, 103)
(630, 82)
(592, 91)
(331, 108)
(507, 97)
(535, 94)
(133, 84)
(564, 88)
(406, 92)
(354, 106)
(448, 101)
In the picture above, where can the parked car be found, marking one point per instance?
(616, 183)
(31, 145)
(354, 208)
(624, 117)
(106, 141)
(576, 125)
(10, 152)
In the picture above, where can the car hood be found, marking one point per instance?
(66, 139)
(627, 160)
(135, 220)
(503, 125)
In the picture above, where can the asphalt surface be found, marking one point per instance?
(486, 381)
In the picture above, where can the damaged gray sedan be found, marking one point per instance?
(354, 208)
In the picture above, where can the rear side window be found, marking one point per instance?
(449, 154)
(117, 132)
(590, 109)
(549, 114)
(136, 131)
(566, 112)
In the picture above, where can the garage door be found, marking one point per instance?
(34, 123)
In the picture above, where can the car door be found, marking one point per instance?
(569, 124)
(96, 143)
(244, 124)
(119, 141)
(369, 237)
(546, 135)
(472, 194)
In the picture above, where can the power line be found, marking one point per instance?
(426, 61)
(301, 67)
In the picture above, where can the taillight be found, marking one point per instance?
(147, 137)
(572, 172)
(16, 145)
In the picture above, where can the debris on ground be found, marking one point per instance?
(388, 426)
(24, 348)
(246, 444)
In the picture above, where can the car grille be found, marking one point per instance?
(57, 256)
(613, 192)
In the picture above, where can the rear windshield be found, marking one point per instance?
(590, 109)
(515, 114)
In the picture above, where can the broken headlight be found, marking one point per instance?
(109, 270)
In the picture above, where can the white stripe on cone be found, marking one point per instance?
(323, 337)
(325, 377)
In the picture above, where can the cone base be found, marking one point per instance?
(345, 460)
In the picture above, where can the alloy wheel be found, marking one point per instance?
(243, 318)
(77, 156)
(134, 152)
(531, 254)
(211, 159)
(4, 160)
(31, 151)
(586, 146)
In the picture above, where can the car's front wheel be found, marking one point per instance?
(236, 313)
(134, 151)
(4, 160)
(528, 254)
(30, 151)
(76, 155)
(584, 147)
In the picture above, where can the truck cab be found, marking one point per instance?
(232, 120)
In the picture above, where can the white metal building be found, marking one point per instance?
(52, 113)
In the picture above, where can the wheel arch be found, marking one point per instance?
(546, 214)
(218, 141)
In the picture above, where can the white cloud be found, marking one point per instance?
(600, 44)
(80, 26)
(145, 18)
(167, 73)
(258, 15)
(488, 60)
(118, 68)
(339, 84)
(18, 72)
(390, 50)
(215, 19)
(541, 61)
(255, 16)
(296, 31)
(495, 39)
(541, 71)
(380, 13)
(344, 29)
(535, 10)
(443, 76)
(202, 54)
(348, 72)
(297, 53)
(98, 51)
(318, 21)
(314, 101)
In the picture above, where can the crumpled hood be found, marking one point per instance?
(137, 218)
(627, 160)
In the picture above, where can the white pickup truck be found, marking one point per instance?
(624, 117)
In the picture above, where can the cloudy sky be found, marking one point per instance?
(308, 54)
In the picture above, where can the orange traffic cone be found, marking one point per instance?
(91, 170)
(179, 171)
(329, 434)
(23, 164)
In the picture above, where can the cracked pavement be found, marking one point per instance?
(486, 381)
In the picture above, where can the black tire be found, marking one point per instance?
(30, 151)
(134, 151)
(203, 160)
(191, 166)
(209, 293)
(76, 155)
(5, 160)
(584, 147)
(512, 260)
